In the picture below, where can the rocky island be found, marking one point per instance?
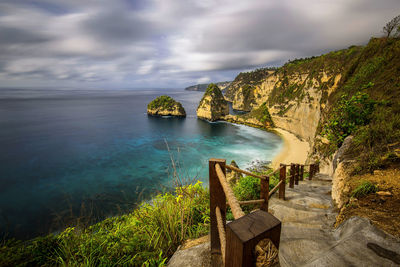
(213, 105)
(165, 106)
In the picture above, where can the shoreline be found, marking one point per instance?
(294, 150)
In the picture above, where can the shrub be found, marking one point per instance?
(349, 113)
(365, 188)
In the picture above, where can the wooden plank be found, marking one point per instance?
(244, 172)
(233, 203)
(249, 202)
(264, 193)
(217, 199)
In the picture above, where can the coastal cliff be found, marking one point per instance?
(324, 99)
(165, 106)
(212, 106)
(203, 87)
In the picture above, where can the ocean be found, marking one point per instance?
(77, 156)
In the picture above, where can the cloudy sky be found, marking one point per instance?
(171, 43)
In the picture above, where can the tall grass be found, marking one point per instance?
(148, 236)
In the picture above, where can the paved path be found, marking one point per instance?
(309, 239)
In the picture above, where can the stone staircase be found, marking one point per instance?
(309, 239)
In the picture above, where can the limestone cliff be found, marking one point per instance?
(308, 96)
(212, 106)
(165, 106)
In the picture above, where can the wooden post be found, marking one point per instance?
(296, 176)
(217, 198)
(264, 193)
(282, 177)
(318, 167)
(301, 172)
(292, 173)
(311, 171)
(243, 234)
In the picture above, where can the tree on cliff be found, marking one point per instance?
(394, 24)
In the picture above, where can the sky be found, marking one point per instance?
(172, 43)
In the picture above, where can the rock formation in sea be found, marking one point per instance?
(165, 106)
(213, 105)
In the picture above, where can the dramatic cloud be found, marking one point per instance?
(172, 43)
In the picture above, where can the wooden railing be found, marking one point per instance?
(236, 241)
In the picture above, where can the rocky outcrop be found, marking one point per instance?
(341, 174)
(165, 106)
(212, 106)
(203, 87)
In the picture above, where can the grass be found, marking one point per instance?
(365, 188)
(146, 237)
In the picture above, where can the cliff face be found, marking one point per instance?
(212, 106)
(203, 87)
(258, 117)
(295, 93)
(322, 99)
(165, 106)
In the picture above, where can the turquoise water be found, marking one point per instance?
(92, 154)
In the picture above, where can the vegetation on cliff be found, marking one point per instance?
(165, 106)
(146, 237)
(213, 105)
(367, 106)
(204, 86)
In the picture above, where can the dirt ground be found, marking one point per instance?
(383, 207)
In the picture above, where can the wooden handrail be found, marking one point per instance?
(233, 203)
(236, 240)
(244, 172)
(221, 232)
(275, 188)
(249, 202)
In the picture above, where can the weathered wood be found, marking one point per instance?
(241, 238)
(301, 172)
(249, 202)
(233, 168)
(282, 178)
(264, 193)
(292, 174)
(233, 203)
(217, 199)
(312, 169)
(296, 176)
(221, 232)
(275, 188)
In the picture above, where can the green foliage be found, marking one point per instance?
(365, 188)
(247, 188)
(374, 145)
(348, 114)
(164, 101)
(146, 237)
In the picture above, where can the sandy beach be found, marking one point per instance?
(294, 150)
